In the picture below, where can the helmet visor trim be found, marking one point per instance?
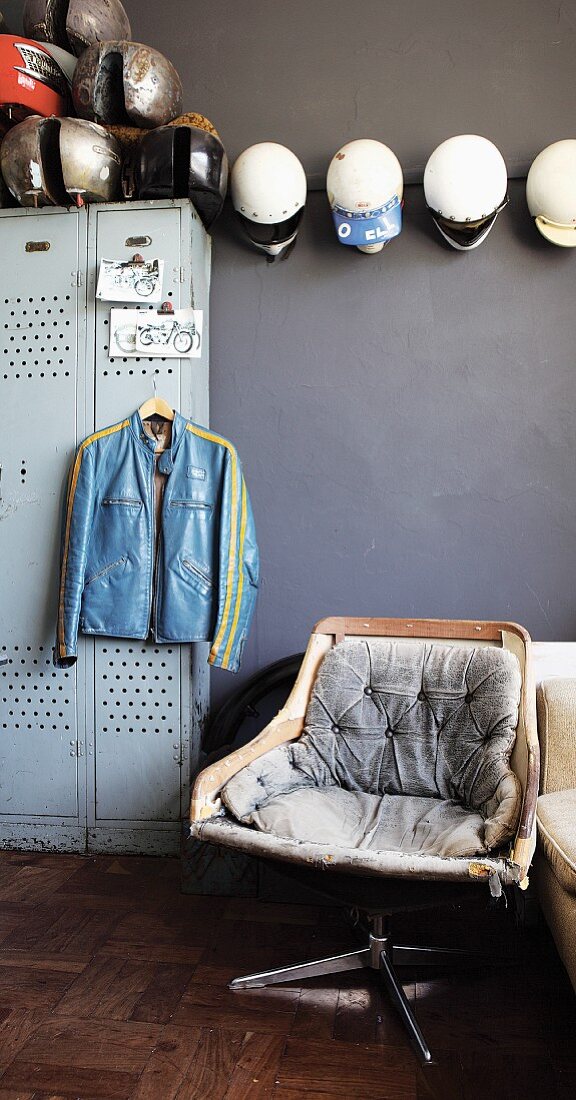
(556, 232)
(470, 233)
(275, 233)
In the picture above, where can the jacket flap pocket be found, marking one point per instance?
(198, 574)
(105, 570)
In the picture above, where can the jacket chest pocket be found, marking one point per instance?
(201, 506)
(122, 502)
(198, 576)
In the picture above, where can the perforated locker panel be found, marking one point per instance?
(42, 322)
(147, 698)
(97, 757)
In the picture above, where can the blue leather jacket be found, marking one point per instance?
(194, 579)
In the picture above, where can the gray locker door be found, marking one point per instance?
(42, 335)
(148, 701)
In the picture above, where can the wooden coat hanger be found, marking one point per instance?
(156, 406)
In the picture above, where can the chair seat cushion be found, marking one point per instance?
(556, 816)
(392, 823)
(420, 733)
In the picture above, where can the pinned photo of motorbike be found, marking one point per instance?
(129, 278)
(164, 333)
(130, 281)
(183, 337)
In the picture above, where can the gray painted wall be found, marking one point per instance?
(406, 421)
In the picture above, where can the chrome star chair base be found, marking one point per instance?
(382, 955)
(384, 881)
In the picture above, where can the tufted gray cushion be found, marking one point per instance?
(406, 747)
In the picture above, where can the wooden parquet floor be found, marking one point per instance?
(113, 986)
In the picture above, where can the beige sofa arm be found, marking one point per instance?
(556, 705)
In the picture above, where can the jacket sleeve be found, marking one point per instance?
(239, 569)
(76, 529)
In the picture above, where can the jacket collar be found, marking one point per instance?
(166, 460)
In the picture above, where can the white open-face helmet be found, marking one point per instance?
(268, 186)
(365, 187)
(465, 185)
(551, 192)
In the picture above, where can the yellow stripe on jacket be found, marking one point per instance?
(232, 558)
(240, 577)
(69, 510)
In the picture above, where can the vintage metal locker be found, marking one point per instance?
(97, 758)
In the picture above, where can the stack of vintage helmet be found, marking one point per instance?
(87, 115)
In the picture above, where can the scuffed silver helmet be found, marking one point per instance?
(126, 84)
(75, 24)
(60, 162)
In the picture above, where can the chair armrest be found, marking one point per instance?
(205, 795)
(286, 726)
(556, 703)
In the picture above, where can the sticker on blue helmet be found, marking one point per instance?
(370, 226)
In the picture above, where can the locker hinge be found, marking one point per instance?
(76, 748)
(77, 278)
(180, 753)
(182, 275)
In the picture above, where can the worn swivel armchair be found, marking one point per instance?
(404, 765)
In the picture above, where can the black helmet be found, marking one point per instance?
(75, 24)
(183, 162)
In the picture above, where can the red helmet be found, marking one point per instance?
(31, 80)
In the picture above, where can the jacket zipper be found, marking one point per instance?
(153, 554)
(157, 541)
(155, 586)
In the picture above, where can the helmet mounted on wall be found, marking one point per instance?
(269, 194)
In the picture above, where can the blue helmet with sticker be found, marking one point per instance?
(365, 188)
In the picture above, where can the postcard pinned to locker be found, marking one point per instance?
(153, 333)
(130, 280)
